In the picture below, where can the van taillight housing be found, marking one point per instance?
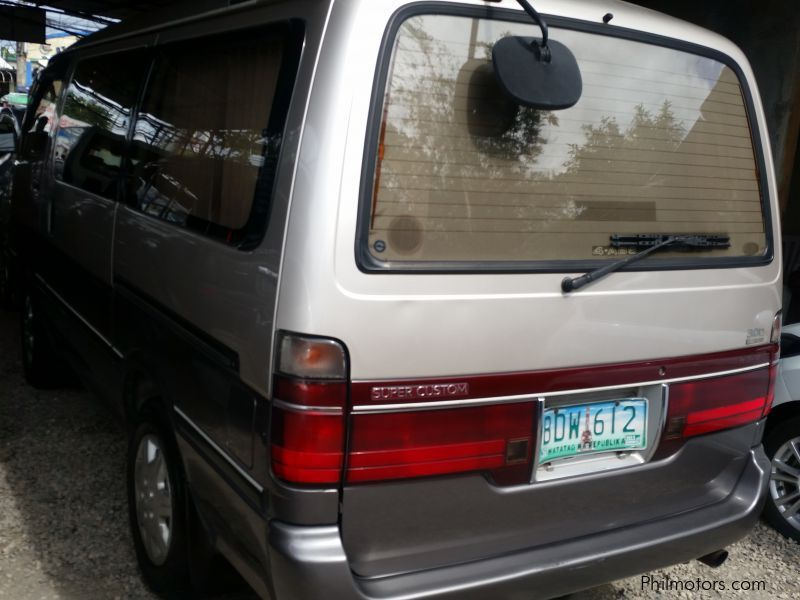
(308, 410)
(708, 405)
(497, 439)
(322, 437)
(309, 429)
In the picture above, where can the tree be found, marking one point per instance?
(607, 143)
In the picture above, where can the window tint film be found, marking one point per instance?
(95, 118)
(44, 111)
(41, 114)
(658, 143)
(202, 138)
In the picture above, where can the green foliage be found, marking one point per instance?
(647, 133)
(83, 107)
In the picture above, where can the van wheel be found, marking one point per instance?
(40, 363)
(157, 508)
(782, 509)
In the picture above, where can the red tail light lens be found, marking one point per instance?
(308, 431)
(699, 407)
(310, 423)
(308, 411)
(497, 438)
(773, 376)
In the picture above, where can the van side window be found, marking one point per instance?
(201, 142)
(40, 117)
(44, 111)
(95, 119)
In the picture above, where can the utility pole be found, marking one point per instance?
(22, 64)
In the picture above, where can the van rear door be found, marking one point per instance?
(489, 411)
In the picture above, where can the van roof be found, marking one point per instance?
(169, 15)
(625, 15)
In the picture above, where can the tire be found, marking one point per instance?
(40, 363)
(157, 506)
(782, 509)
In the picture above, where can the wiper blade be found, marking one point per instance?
(647, 244)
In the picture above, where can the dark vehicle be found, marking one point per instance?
(9, 134)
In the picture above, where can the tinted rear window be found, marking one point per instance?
(658, 143)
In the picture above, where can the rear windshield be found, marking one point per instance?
(659, 142)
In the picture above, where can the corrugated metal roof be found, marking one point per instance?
(117, 9)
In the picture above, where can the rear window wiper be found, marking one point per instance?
(647, 243)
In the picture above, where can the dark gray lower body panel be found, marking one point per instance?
(309, 562)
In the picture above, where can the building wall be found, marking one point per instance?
(38, 53)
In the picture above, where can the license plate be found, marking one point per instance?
(580, 429)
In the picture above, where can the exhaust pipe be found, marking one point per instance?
(714, 559)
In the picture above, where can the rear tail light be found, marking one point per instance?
(311, 358)
(315, 440)
(308, 410)
(308, 430)
(495, 438)
(775, 357)
(777, 323)
(707, 405)
(773, 376)
(307, 448)
(710, 405)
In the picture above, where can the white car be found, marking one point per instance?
(782, 440)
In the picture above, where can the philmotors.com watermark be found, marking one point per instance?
(699, 584)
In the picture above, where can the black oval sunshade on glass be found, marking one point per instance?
(540, 73)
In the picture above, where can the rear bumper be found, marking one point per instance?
(310, 563)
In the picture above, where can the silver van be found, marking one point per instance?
(410, 299)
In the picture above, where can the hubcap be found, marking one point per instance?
(784, 483)
(28, 340)
(153, 499)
